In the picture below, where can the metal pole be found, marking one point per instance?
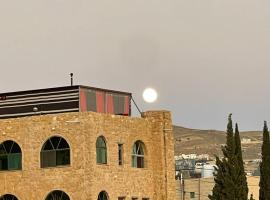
(184, 190)
(71, 79)
(199, 188)
(136, 105)
(181, 185)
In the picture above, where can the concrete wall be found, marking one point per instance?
(203, 187)
(84, 179)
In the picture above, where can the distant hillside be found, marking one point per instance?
(209, 141)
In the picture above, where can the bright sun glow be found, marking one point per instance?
(150, 95)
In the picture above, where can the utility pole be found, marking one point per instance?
(182, 186)
(199, 188)
(183, 189)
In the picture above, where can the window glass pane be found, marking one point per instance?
(192, 195)
(48, 146)
(63, 144)
(101, 142)
(101, 150)
(55, 152)
(120, 154)
(99, 159)
(8, 197)
(140, 149)
(2, 149)
(138, 155)
(140, 163)
(48, 159)
(102, 196)
(3, 162)
(55, 141)
(8, 145)
(101, 155)
(15, 148)
(134, 162)
(104, 155)
(14, 161)
(10, 156)
(57, 195)
(62, 157)
(134, 149)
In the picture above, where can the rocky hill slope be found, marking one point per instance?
(189, 141)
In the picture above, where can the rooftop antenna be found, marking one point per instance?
(71, 79)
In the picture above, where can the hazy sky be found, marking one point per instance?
(206, 58)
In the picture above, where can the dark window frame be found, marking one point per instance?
(120, 154)
(101, 150)
(55, 194)
(52, 155)
(10, 156)
(8, 197)
(138, 155)
(103, 195)
(192, 195)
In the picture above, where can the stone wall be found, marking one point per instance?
(202, 187)
(83, 179)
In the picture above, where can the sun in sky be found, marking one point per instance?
(150, 95)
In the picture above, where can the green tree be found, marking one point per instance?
(224, 184)
(230, 174)
(241, 178)
(265, 166)
(229, 149)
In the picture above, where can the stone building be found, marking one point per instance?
(85, 155)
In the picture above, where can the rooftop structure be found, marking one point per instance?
(79, 144)
(64, 99)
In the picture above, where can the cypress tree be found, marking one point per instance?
(230, 177)
(241, 179)
(225, 185)
(229, 149)
(265, 166)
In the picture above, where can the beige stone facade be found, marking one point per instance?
(84, 179)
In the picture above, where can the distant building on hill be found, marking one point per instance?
(245, 140)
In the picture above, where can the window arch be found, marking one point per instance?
(103, 196)
(8, 197)
(101, 150)
(57, 195)
(55, 152)
(138, 155)
(10, 156)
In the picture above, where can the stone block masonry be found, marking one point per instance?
(84, 179)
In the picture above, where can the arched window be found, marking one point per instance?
(103, 196)
(57, 195)
(10, 156)
(138, 155)
(8, 197)
(101, 150)
(55, 152)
